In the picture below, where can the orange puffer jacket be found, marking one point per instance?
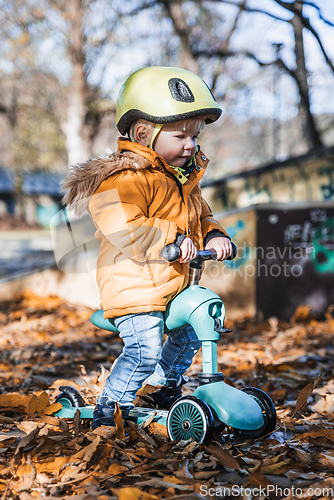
(138, 208)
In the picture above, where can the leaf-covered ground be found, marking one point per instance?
(46, 343)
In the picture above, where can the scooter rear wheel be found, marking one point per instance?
(70, 397)
(190, 418)
(268, 412)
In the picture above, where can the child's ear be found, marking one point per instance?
(143, 134)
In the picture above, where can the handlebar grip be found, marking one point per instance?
(234, 251)
(171, 252)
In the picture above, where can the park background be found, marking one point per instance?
(270, 182)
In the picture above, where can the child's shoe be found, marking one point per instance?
(164, 398)
(104, 412)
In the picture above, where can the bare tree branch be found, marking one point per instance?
(311, 132)
(290, 7)
(283, 4)
(307, 24)
(138, 9)
(226, 42)
(247, 9)
(173, 9)
(226, 46)
(311, 4)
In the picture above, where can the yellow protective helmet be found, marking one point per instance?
(163, 94)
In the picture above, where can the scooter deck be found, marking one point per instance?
(137, 415)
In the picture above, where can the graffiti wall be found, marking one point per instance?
(285, 259)
(295, 260)
(235, 281)
(307, 178)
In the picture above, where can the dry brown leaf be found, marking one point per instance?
(285, 355)
(258, 479)
(63, 426)
(27, 404)
(27, 426)
(184, 470)
(161, 483)
(115, 469)
(43, 402)
(145, 390)
(87, 452)
(327, 458)
(148, 421)
(172, 479)
(27, 440)
(302, 314)
(142, 434)
(48, 420)
(25, 483)
(52, 409)
(303, 397)
(76, 423)
(43, 466)
(89, 383)
(118, 419)
(303, 456)
(156, 428)
(223, 456)
(133, 494)
(91, 449)
(205, 474)
(52, 466)
(274, 460)
(70, 473)
(102, 379)
(6, 420)
(105, 431)
(274, 466)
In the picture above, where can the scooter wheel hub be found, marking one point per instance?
(190, 418)
(186, 425)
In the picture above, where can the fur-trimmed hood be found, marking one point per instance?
(83, 179)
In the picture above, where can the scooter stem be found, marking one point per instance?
(194, 275)
(195, 267)
(209, 356)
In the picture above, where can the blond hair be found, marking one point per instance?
(197, 123)
(193, 123)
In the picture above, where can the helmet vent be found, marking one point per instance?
(180, 90)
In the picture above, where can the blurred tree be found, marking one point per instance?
(76, 126)
(45, 41)
(62, 62)
(299, 72)
(198, 43)
(30, 99)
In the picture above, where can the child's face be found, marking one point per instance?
(176, 143)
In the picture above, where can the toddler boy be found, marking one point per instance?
(141, 198)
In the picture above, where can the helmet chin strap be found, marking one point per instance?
(156, 131)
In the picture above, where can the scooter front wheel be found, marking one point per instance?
(190, 418)
(70, 397)
(268, 412)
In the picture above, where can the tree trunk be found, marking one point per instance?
(77, 137)
(310, 132)
(174, 12)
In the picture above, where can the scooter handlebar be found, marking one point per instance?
(171, 253)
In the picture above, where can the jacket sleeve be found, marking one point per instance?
(208, 222)
(119, 211)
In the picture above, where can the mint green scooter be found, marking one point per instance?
(214, 405)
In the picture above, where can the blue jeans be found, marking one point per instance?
(143, 356)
